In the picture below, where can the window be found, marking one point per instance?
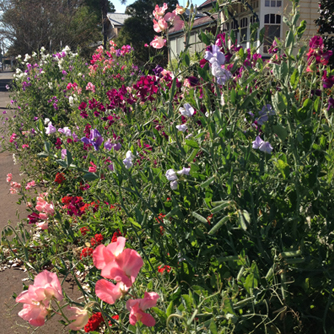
(243, 31)
(272, 29)
(279, 3)
(255, 4)
(267, 3)
(273, 3)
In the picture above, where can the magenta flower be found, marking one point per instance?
(137, 308)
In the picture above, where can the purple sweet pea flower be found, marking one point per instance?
(215, 56)
(108, 145)
(63, 153)
(266, 111)
(94, 139)
(263, 146)
(330, 103)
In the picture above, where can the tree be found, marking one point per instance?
(326, 24)
(138, 29)
(31, 24)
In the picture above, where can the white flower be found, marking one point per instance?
(42, 49)
(65, 131)
(14, 159)
(129, 155)
(222, 100)
(27, 57)
(18, 57)
(189, 136)
(173, 185)
(71, 100)
(50, 84)
(18, 71)
(171, 175)
(79, 74)
(34, 54)
(46, 121)
(184, 171)
(187, 111)
(182, 127)
(127, 163)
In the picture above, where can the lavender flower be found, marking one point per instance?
(263, 146)
(187, 111)
(95, 139)
(182, 127)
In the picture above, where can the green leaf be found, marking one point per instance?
(62, 163)
(204, 38)
(294, 79)
(187, 302)
(219, 225)
(192, 155)
(301, 29)
(281, 131)
(161, 314)
(43, 154)
(199, 217)
(213, 327)
(233, 94)
(244, 219)
(90, 176)
(192, 143)
(283, 167)
(207, 182)
(68, 157)
(170, 309)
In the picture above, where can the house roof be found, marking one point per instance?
(207, 3)
(206, 20)
(117, 19)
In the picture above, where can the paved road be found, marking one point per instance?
(10, 279)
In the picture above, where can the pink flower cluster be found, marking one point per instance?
(12, 137)
(30, 185)
(316, 52)
(45, 209)
(90, 87)
(74, 86)
(37, 298)
(161, 22)
(122, 265)
(14, 186)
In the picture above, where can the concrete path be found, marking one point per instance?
(10, 279)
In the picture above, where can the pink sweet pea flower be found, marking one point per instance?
(146, 45)
(80, 316)
(158, 42)
(160, 25)
(179, 10)
(25, 146)
(30, 185)
(137, 308)
(160, 11)
(109, 292)
(92, 169)
(90, 87)
(44, 224)
(36, 299)
(116, 263)
(9, 177)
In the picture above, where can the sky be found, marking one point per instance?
(121, 8)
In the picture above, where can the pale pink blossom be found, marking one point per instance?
(15, 185)
(13, 191)
(43, 216)
(100, 49)
(160, 25)
(43, 225)
(36, 299)
(9, 177)
(158, 42)
(29, 204)
(137, 308)
(110, 292)
(174, 20)
(81, 317)
(160, 11)
(117, 263)
(179, 9)
(90, 87)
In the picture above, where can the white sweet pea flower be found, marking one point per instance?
(34, 54)
(128, 163)
(129, 155)
(182, 127)
(42, 49)
(27, 57)
(187, 111)
(71, 101)
(46, 121)
(173, 185)
(171, 175)
(189, 136)
(50, 85)
(184, 171)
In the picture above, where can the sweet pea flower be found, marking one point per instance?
(50, 129)
(94, 139)
(63, 153)
(90, 87)
(184, 171)
(92, 169)
(266, 111)
(160, 25)
(187, 111)
(182, 127)
(171, 175)
(221, 74)
(160, 11)
(108, 145)
(128, 161)
(263, 146)
(80, 316)
(215, 56)
(109, 292)
(117, 263)
(43, 225)
(30, 185)
(158, 42)
(36, 299)
(137, 308)
(173, 185)
(179, 10)
(65, 131)
(9, 177)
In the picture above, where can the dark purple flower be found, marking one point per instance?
(94, 139)
(330, 103)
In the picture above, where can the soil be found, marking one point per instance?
(11, 280)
